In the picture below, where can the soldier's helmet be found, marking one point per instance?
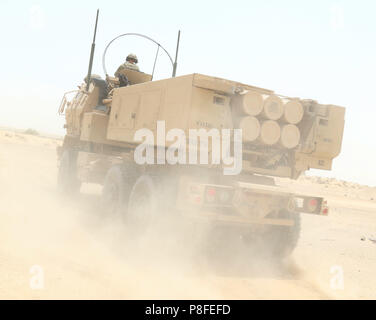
(132, 56)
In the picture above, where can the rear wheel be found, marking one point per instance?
(151, 209)
(280, 241)
(142, 206)
(116, 190)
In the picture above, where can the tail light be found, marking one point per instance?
(311, 204)
(218, 195)
(325, 209)
(211, 195)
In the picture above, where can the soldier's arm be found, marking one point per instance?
(118, 70)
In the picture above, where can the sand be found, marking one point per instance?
(82, 254)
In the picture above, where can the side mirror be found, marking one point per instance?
(62, 105)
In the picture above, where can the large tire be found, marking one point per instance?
(269, 242)
(142, 206)
(282, 240)
(150, 221)
(116, 189)
(67, 181)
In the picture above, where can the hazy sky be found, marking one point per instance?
(322, 50)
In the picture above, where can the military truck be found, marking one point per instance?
(281, 137)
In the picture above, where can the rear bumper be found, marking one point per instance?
(213, 218)
(247, 204)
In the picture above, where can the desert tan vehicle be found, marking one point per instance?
(281, 137)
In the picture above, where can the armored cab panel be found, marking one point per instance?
(82, 103)
(94, 127)
(140, 106)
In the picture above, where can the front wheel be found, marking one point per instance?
(67, 181)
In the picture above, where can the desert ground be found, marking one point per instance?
(76, 253)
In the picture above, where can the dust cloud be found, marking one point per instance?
(83, 254)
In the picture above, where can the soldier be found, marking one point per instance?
(130, 63)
